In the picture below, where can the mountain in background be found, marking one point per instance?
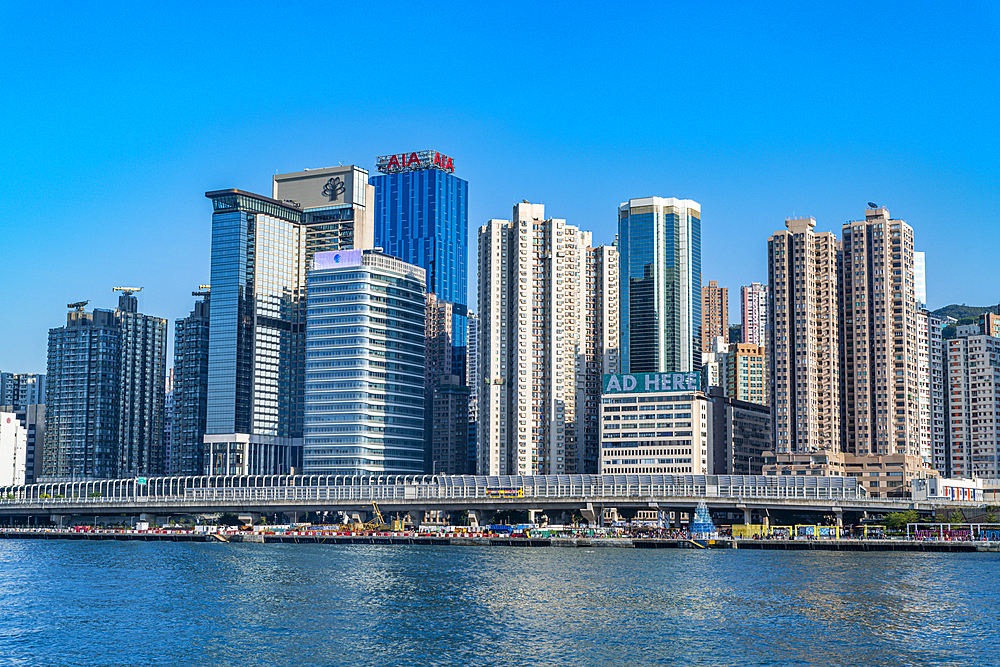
(964, 312)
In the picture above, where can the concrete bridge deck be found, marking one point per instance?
(409, 494)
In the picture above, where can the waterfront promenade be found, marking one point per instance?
(460, 538)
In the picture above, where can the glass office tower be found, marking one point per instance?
(659, 245)
(364, 387)
(422, 217)
(258, 264)
(256, 362)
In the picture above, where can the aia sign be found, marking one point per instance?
(394, 164)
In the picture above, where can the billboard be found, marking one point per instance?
(394, 164)
(334, 259)
(647, 383)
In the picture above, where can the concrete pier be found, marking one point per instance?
(319, 536)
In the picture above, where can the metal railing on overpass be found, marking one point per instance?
(297, 488)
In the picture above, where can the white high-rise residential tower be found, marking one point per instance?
(753, 314)
(548, 309)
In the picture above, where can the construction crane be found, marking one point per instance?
(78, 305)
(377, 522)
(127, 291)
(203, 290)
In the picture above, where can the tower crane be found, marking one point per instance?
(78, 305)
(127, 291)
(203, 290)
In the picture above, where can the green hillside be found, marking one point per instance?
(961, 312)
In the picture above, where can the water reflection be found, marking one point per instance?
(367, 605)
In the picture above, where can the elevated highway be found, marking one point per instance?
(587, 494)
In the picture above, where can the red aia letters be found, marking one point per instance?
(412, 161)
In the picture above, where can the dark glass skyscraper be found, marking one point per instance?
(659, 246)
(422, 217)
(190, 390)
(105, 391)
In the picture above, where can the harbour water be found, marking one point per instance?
(141, 603)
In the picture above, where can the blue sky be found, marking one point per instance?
(117, 118)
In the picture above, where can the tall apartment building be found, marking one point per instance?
(21, 389)
(659, 247)
(879, 332)
(105, 393)
(168, 423)
(261, 248)
(602, 333)
(746, 373)
(142, 390)
(938, 392)
(364, 389)
(473, 382)
(753, 314)
(547, 307)
(974, 406)
(191, 336)
(923, 365)
(446, 405)
(803, 339)
(714, 314)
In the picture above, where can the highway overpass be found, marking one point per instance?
(415, 495)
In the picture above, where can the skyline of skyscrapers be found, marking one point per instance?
(838, 334)
(659, 246)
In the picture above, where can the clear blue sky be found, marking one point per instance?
(117, 118)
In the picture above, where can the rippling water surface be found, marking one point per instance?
(134, 603)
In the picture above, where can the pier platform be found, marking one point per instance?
(430, 539)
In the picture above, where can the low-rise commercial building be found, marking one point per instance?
(654, 423)
(13, 450)
(740, 433)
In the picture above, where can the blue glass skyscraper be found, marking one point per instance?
(422, 218)
(659, 249)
